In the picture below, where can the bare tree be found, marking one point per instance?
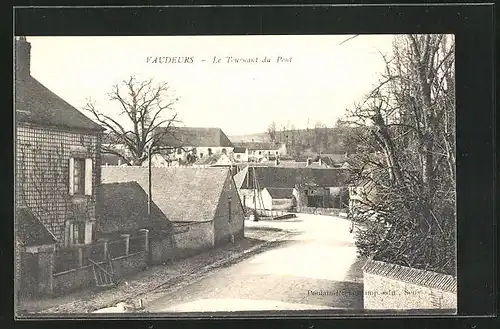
(271, 130)
(408, 155)
(149, 116)
(320, 137)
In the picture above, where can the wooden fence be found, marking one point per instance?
(66, 259)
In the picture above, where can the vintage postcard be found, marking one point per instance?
(177, 175)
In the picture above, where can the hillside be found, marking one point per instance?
(304, 141)
(258, 137)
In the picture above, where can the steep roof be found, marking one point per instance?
(124, 208)
(35, 103)
(182, 194)
(194, 136)
(238, 149)
(279, 177)
(30, 230)
(239, 178)
(280, 193)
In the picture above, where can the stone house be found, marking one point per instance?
(241, 154)
(257, 151)
(57, 165)
(194, 141)
(202, 203)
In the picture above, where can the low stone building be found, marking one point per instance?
(202, 203)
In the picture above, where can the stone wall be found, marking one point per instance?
(320, 211)
(389, 286)
(193, 238)
(162, 249)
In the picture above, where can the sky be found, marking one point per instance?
(316, 80)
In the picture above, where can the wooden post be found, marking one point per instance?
(80, 256)
(105, 249)
(127, 243)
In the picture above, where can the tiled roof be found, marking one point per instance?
(182, 194)
(124, 208)
(196, 137)
(239, 149)
(30, 231)
(412, 275)
(35, 103)
(214, 159)
(279, 177)
(280, 193)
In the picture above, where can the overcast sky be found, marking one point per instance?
(322, 79)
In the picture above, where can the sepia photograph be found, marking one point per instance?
(224, 174)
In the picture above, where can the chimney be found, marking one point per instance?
(319, 160)
(22, 58)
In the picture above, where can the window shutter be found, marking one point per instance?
(88, 232)
(67, 232)
(71, 234)
(88, 176)
(71, 173)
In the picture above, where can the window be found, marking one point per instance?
(224, 151)
(276, 152)
(260, 152)
(238, 156)
(179, 151)
(201, 155)
(209, 152)
(79, 232)
(80, 176)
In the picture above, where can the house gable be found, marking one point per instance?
(228, 221)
